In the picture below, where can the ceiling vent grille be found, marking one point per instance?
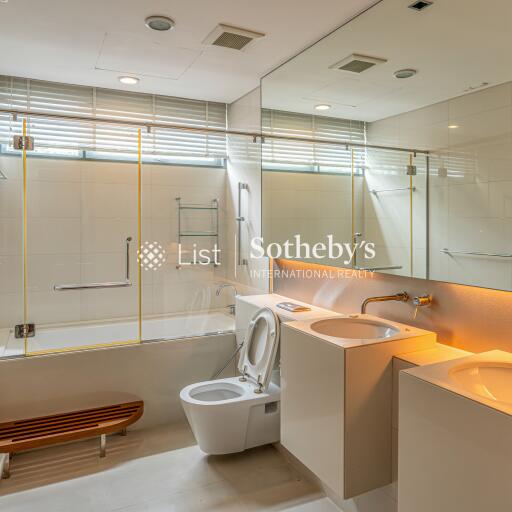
(356, 63)
(420, 5)
(231, 37)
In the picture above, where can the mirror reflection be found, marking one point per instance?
(409, 145)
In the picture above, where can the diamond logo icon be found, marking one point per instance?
(151, 256)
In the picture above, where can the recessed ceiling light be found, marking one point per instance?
(322, 106)
(159, 23)
(453, 126)
(129, 80)
(404, 73)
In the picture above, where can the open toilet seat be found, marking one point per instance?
(234, 414)
(260, 348)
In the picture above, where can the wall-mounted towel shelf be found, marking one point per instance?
(477, 253)
(212, 207)
(198, 234)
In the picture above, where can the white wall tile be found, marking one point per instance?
(80, 213)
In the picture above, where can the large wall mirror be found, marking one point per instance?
(406, 115)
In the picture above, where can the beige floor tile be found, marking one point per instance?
(157, 470)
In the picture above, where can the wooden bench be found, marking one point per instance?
(16, 436)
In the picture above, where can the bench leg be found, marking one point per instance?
(6, 469)
(103, 445)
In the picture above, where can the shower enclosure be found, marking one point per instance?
(391, 210)
(89, 237)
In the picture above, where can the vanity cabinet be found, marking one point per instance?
(455, 437)
(336, 406)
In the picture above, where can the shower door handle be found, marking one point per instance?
(109, 284)
(91, 286)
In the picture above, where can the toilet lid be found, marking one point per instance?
(260, 347)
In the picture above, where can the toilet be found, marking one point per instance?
(234, 414)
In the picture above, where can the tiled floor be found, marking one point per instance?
(155, 471)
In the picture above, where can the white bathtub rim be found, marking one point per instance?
(116, 343)
(120, 320)
(178, 341)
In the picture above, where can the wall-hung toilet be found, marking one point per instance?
(234, 414)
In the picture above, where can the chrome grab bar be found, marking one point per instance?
(109, 284)
(240, 219)
(476, 253)
(375, 192)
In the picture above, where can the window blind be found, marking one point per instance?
(96, 103)
(278, 153)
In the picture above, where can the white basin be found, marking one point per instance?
(491, 380)
(354, 328)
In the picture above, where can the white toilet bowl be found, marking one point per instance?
(227, 416)
(234, 414)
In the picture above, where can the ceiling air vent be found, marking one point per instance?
(420, 5)
(356, 63)
(231, 37)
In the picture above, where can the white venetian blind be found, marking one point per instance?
(94, 103)
(278, 152)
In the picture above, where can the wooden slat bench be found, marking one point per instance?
(16, 436)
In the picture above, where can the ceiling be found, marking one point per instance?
(453, 44)
(93, 42)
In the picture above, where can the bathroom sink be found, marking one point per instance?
(354, 328)
(491, 380)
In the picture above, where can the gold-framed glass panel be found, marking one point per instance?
(11, 237)
(82, 230)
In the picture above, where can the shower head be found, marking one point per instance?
(2, 176)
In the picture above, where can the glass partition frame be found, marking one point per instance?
(28, 347)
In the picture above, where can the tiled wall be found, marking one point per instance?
(387, 207)
(471, 181)
(79, 215)
(312, 205)
(244, 165)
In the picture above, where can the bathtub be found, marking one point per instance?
(88, 335)
(177, 351)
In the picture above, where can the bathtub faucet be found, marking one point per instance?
(231, 307)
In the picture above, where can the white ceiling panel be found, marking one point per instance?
(455, 45)
(64, 41)
(129, 54)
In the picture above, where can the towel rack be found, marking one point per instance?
(476, 253)
(213, 206)
(94, 286)
(375, 192)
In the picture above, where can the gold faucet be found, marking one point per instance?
(401, 297)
